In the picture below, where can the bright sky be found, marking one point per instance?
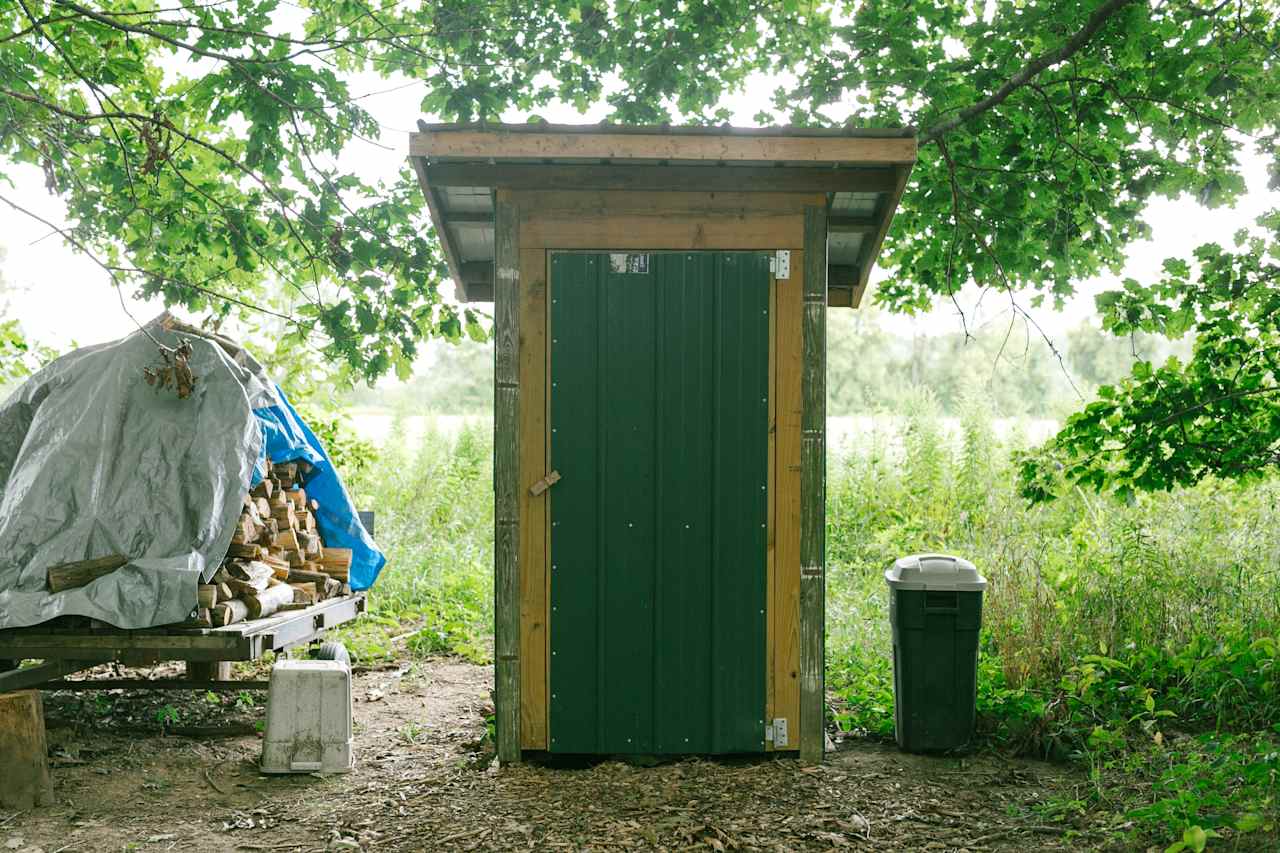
(62, 297)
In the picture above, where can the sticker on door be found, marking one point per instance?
(620, 262)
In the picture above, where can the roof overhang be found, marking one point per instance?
(863, 173)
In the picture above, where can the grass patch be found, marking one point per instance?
(434, 520)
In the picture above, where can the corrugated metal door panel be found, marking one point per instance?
(627, 467)
(682, 689)
(740, 418)
(574, 704)
(660, 432)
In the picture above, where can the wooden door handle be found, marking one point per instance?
(545, 483)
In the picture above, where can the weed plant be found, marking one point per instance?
(433, 507)
(1139, 636)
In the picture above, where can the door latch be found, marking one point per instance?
(545, 483)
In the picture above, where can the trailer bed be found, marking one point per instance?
(71, 649)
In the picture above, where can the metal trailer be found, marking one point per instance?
(208, 652)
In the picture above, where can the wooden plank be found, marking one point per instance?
(533, 509)
(208, 671)
(500, 142)
(506, 477)
(659, 230)
(839, 297)
(887, 207)
(786, 600)
(437, 220)
(590, 203)
(756, 179)
(41, 673)
(813, 489)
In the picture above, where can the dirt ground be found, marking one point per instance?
(423, 782)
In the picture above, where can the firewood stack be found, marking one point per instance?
(277, 560)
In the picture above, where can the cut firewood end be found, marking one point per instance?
(277, 559)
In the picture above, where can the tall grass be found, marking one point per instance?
(1084, 575)
(434, 520)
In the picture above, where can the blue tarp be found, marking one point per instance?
(286, 438)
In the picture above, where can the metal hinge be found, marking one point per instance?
(776, 732)
(780, 264)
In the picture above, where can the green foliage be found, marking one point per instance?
(195, 146)
(19, 357)
(434, 506)
(351, 455)
(1140, 638)
(1216, 413)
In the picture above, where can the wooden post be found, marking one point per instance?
(506, 476)
(813, 462)
(209, 670)
(23, 753)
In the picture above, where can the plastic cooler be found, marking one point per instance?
(308, 718)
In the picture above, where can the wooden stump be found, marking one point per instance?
(23, 753)
(209, 670)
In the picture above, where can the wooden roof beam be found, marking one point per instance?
(539, 176)
(500, 143)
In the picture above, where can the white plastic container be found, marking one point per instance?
(308, 718)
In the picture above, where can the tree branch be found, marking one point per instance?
(1028, 72)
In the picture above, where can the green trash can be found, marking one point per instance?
(935, 609)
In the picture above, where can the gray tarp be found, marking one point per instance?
(93, 461)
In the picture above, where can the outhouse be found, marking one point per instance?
(660, 299)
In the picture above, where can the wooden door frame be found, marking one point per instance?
(684, 222)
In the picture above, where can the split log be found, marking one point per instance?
(263, 489)
(268, 601)
(207, 595)
(243, 588)
(247, 552)
(230, 612)
(23, 751)
(304, 576)
(333, 588)
(263, 506)
(310, 545)
(336, 558)
(81, 572)
(286, 472)
(287, 541)
(299, 498)
(304, 593)
(306, 521)
(294, 558)
(255, 572)
(284, 516)
(224, 591)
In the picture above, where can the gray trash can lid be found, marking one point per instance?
(935, 571)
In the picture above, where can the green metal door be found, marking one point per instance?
(659, 429)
